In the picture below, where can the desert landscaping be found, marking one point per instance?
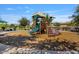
(20, 40)
(40, 34)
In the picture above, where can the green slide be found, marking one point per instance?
(36, 28)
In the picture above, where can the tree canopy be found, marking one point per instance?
(24, 21)
(75, 16)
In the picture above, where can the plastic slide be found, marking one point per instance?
(36, 28)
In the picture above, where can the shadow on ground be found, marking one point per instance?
(48, 44)
(15, 40)
(57, 45)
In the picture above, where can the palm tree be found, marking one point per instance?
(49, 18)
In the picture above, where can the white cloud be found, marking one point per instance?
(19, 7)
(27, 11)
(26, 7)
(59, 17)
(14, 18)
(32, 9)
(64, 15)
(62, 18)
(55, 11)
(10, 9)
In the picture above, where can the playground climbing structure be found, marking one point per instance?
(40, 22)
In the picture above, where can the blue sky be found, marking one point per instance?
(13, 12)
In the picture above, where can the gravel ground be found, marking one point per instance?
(4, 48)
(16, 50)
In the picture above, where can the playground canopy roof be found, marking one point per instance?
(41, 14)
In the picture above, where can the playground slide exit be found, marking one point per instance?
(36, 28)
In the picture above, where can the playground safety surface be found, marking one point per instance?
(22, 39)
(71, 36)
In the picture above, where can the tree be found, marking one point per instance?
(49, 20)
(13, 26)
(3, 24)
(24, 21)
(2, 21)
(75, 16)
(3, 28)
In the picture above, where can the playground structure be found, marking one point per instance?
(41, 24)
